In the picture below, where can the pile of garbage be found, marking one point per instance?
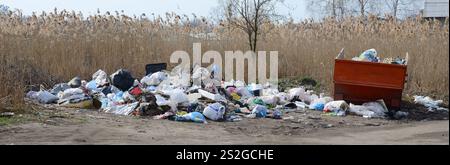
(193, 96)
(371, 55)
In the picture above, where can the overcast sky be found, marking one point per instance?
(200, 7)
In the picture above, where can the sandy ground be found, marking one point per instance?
(70, 126)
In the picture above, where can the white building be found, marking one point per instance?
(436, 9)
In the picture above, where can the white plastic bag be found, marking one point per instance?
(361, 111)
(193, 98)
(154, 79)
(430, 103)
(215, 97)
(214, 111)
(378, 108)
(335, 106)
(283, 98)
(160, 101)
(273, 100)
(369, 110)
(46, 97)
(100, 77)
(32, 95)
(295, 92)
(243, 92)
(178, 96)
(125, 109)
(200, 74)
(70, 92)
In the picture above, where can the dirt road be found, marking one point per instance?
(305, 127)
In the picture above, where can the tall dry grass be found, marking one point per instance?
(56, 46)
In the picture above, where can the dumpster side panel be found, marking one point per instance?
(370, 74)
(359, 82)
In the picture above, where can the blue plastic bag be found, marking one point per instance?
(196, 117)
(260, 111)
(318, 106)
(277, 114)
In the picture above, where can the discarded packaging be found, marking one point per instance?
(260, 111)
(214, 111)
(430, 103)
(45, 97)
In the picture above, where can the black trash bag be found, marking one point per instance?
(106, 90)
(153, 68)
(122, 79)
(148, 106)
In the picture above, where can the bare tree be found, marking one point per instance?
(334, 8)
(363, 4)
(397, 6)
(393, 6)
(3, 9)
(249, 16)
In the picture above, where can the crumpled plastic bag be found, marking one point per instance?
(45, 97)
(260, 111)
(370, 55)
(319, 104)
(70, 92)
(178, 96)
(214, 111)
(361, 111)
(100, 78)
(369, 110)
(338, 107)
(272, 99)
(430, 103)
(200, 74)
(215, 97)
(243, 92)
(125, 109)
(301, 94)
(154, 79)
(196, 117)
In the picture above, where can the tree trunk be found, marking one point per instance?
(250, 40)
(395, 8)
(333, 8)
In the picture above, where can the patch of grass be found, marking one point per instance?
(9, 120)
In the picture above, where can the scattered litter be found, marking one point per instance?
(7, 114)
(430, 103)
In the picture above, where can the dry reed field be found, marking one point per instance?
(54, 47)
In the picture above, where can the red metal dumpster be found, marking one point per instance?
(358, 82)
